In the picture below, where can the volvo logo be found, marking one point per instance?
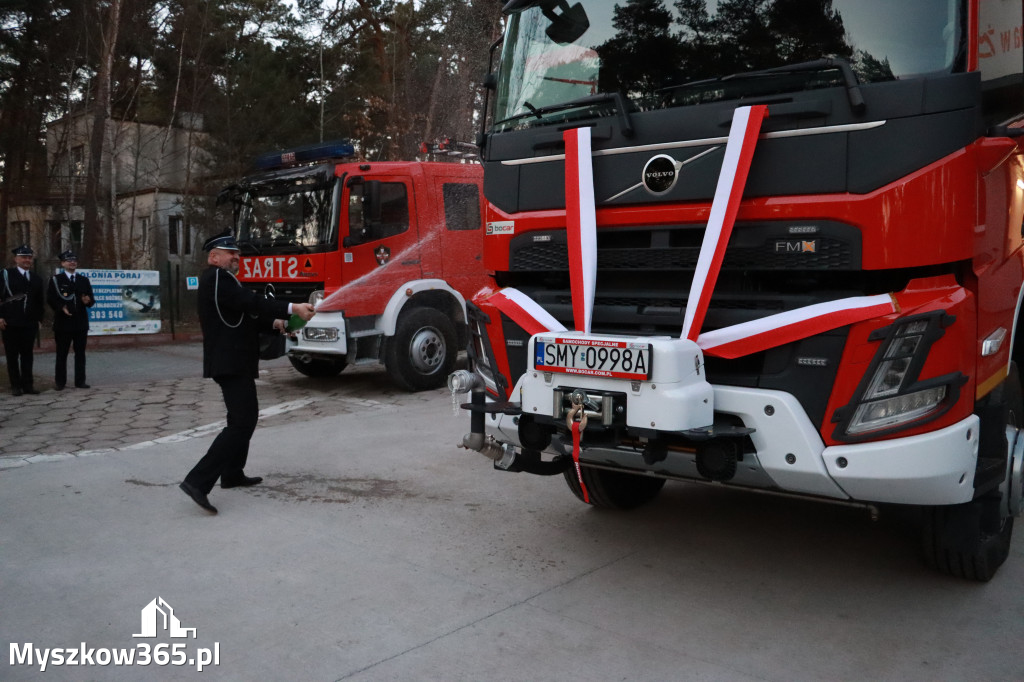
(660, 174)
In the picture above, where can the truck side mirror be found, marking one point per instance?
(568, 26)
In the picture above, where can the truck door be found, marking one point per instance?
(380, 251)
(462, 232)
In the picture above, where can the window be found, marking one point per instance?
(54, 236)
(173, 236)
(77, 161)
(377, 210)
(179, 236)
(461, 206)
(76, 232)
(20, 232)
(1002, 80)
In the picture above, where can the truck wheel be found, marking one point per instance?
(614, 489)
(319, 368)
(972, 540)
(423, 350)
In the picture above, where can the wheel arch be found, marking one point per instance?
(425, 293)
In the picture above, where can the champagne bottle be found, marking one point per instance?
(295, 323)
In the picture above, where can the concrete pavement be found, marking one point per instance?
(376, 550)
(153, 393)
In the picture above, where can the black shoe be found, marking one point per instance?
(242, 482)
(16, 391)
(82, 386)
(30, 390)
(198, 496)
(59, 387)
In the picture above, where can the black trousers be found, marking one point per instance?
(230, 449)
(18, 346)
(64, 341)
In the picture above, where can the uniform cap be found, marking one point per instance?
(68, 255)
(23, 250)
(224, 240)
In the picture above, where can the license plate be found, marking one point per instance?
(594, 357)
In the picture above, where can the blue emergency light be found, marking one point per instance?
(309, 153)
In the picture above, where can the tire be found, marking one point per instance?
(319, 368)
(613, 489)
(423, 351)
(972, 540)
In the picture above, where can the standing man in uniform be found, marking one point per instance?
(231, 318)
(20, 314)
(70, 296)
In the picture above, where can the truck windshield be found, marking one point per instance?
(288, 212)
(662, 53)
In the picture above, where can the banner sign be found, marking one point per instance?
(127, 301)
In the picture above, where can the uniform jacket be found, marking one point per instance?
(27, 312)
(61, 292)
(232, 317)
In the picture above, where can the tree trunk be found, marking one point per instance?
(96, 234)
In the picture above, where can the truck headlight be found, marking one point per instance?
(891, 396)
(898, 410)
(321, 334)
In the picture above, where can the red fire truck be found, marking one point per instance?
(388, 252)
(773, 245)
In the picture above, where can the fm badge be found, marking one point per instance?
(383, 255)
(796, 246)
(660, 174)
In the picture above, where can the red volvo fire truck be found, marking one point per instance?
(388, 252)
(772, 245)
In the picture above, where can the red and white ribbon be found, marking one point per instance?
(525, 312)
(746, 124)
(730, 342)
(576, 448)
(580, 225)
(776, 330)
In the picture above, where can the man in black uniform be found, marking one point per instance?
(70, 296)
(231, 318)
(20, 314)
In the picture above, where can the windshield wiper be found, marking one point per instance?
(617, 97)
(853, 93)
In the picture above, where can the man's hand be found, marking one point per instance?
(66, 311)
(281, 325)
(303, 310)
(87, 300)
(3, 324)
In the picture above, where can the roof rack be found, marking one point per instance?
(449, 147)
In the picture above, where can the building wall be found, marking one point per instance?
(146, 170)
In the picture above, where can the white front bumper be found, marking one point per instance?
(935, 468)
(328, 326)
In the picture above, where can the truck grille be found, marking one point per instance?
(758, 247)
(287, 291)
(644, 276)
